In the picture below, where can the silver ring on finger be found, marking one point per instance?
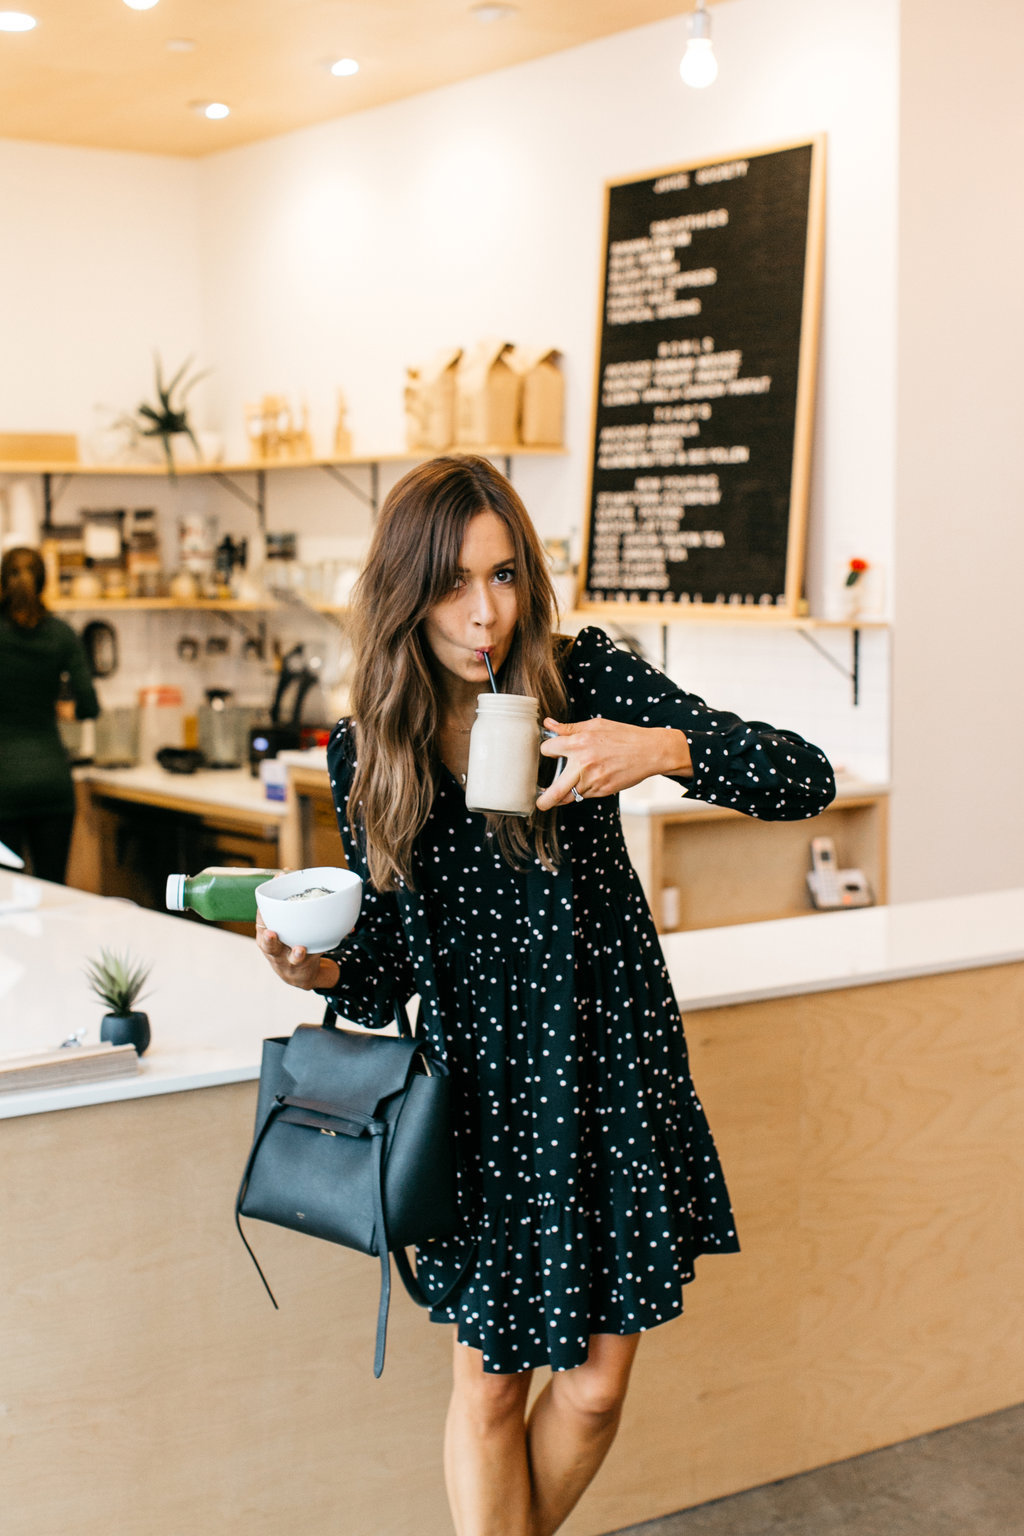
(576, 794)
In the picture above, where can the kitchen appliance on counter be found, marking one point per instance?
(161, 720)
(223, 729)
(79, 740)
(116, 743)
(277, 735)
(99, 640)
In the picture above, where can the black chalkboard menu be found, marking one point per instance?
(704, 389)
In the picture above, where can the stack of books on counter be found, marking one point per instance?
(68, 1067)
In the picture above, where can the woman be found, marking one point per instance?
(588, 1180)
(37, 652)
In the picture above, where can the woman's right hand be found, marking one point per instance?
(294, 965)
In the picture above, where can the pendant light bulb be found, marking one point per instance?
(698, 66)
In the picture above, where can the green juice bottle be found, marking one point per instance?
(219, 895)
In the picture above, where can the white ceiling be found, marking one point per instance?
(95, 73)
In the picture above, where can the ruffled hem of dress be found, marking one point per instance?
(546, 1275)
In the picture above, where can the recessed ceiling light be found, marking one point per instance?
(140, 5)
(492, 10)
(345, 67)
(16, 21)
(211, 109)
(181, 45)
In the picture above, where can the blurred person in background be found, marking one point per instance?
(41, 659)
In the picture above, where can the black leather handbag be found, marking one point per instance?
(353, 1144)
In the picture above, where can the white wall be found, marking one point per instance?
(958, 725)
(99, 267)
(338, 255)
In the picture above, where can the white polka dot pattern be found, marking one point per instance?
(588, 1178)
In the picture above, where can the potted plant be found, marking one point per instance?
(117, 980)
(168, 419)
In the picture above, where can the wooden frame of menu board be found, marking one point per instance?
(704, 388)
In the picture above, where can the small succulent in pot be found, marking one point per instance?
(118, 980)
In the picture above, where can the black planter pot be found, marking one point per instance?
(126, 1029)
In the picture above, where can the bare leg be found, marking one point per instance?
(485, 1464)
(507, 1478)
(572, 1426)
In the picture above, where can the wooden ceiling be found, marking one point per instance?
(98, 74)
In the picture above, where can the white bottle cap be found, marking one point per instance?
(176, 893)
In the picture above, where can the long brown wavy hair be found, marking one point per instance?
(412, 565)
(22, 579)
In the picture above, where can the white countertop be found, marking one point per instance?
(714, 967)
(212, 999)
(312, 757)
(232, 788)
(655, 796)
(235, 788)
(660, 796)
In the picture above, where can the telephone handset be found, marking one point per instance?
(832, 888)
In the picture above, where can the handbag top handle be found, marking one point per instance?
(330, 1018)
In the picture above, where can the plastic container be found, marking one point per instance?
(504, 755)
(219, 895)
(161, 721)
(117, 737)
(274, 778)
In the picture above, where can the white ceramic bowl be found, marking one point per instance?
(320, 922)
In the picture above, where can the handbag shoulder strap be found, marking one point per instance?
(257, 1142)
(375, 1129)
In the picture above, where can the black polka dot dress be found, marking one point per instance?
(588, 1179)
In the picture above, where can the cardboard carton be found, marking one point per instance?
(486, 397)
(430, 402)
(542, 399)
(39, 447)
(272, 433)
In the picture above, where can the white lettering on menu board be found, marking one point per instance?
(698, 490)
(639, 532)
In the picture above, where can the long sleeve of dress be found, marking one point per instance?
(373, 959)
(745, 765)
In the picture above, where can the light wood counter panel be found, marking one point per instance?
(309, 834)
(731, 868)
(213, 817)
(872, 1137)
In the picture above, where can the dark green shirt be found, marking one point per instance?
(35, 777)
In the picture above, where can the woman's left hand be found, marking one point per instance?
(606, 756)
(291, 962)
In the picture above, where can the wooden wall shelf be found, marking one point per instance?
(158, 605)
(630, 615)
(226, 474)
(253, 466)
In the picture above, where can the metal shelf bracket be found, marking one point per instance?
(852, 672)
(371, 499)
(257, 503)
